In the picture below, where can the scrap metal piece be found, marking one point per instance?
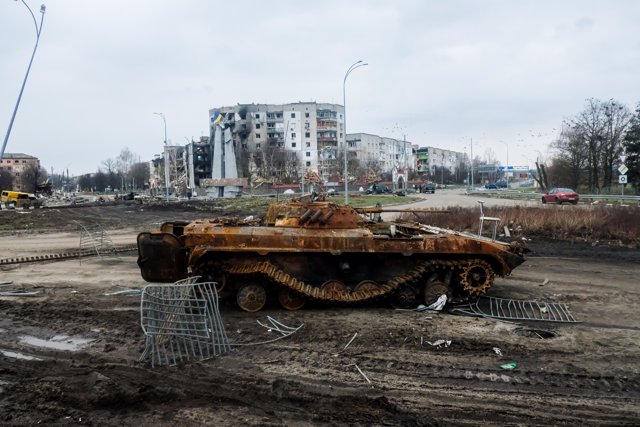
(181, 322)
(510, 309)
(94, 238)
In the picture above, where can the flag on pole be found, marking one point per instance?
(217, 117)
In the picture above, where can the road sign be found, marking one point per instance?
(622, 179)
(623, 169)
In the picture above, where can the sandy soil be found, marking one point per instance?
(588, 373)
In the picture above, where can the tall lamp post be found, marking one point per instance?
(506, 175)
(344, 104)
(166, 155)
(43, 9)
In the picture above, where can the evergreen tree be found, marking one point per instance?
(632, 149)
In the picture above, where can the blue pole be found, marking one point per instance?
(24, 82)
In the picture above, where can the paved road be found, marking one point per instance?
(457, 197)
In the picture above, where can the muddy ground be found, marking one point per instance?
(587, 373)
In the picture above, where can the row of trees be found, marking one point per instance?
(126, 172)
(592, 145)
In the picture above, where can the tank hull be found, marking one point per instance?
(351, 261)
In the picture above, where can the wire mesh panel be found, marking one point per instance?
(510, 309)
(181, 321)
(93, 238)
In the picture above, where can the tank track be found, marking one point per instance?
(63, 255)
(271, 272)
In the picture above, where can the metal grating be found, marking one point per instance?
(181, 321)
(509, 309)
(93, 238)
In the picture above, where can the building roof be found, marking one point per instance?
(17, 156)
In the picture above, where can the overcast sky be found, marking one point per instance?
(505, 73)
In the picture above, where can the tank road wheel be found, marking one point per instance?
(334, 287)
(290, 300)
(366, 286)
(209, 273)
(251, 297)
(477, 277)
(404, 297)
(433, 291)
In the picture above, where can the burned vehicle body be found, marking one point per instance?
(326, 252)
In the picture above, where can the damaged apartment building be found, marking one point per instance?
(277, 143)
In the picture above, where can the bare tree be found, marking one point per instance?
(617, 118)
(6, 180)
(572, 156)
(31, 176)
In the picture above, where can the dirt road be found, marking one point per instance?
(390, 374)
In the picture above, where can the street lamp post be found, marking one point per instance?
(166, 155)
(344, 105)
(471, 142)
(506, 143)
(43, 9)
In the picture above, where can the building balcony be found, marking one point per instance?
(326, 127)
(327, 139)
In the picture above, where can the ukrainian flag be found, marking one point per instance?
(217, 117)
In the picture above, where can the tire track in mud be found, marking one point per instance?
(504, 395)
(580, 384)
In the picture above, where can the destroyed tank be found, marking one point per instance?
(320, 251)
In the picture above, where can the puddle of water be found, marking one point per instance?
(16, 355)
(58, 342)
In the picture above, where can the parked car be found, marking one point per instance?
(496, 185)
(429, 187)
(560, 196)
(378, 189)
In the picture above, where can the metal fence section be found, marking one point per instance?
(509, 309)
(181, 321)
(94, 239)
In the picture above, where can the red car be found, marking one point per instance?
(560, 196)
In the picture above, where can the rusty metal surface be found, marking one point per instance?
(299, 246)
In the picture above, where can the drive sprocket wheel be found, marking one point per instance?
(477, 277)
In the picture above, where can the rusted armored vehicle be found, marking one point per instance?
(321, 251)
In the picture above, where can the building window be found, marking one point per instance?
(308, 164)
(293, 134)
(258, 145)
(293, 144)
(308, 154)
(257, 136)
(306, 115)
(257, 125)
(307, 134)
(257, 115)
(308, 144)
(293, 115)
